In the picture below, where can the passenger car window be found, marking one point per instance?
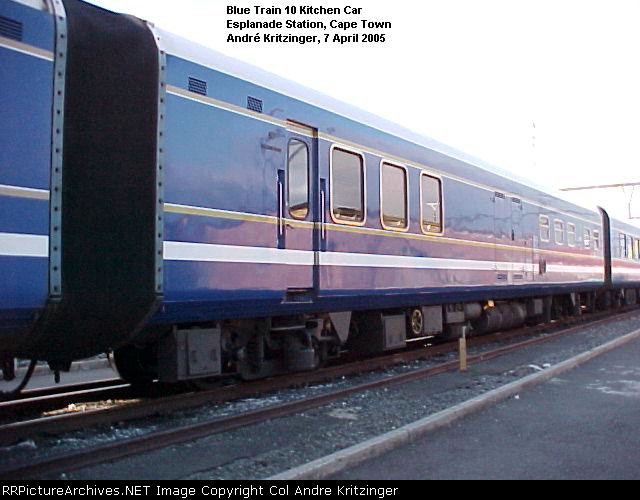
(347, 186)
(571, 235)
(559, 232)
(298, 184)
(545, 229)
(431, 204)
(596, 240)
(393, 197)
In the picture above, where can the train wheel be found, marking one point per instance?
(136, 365)
(416, 322)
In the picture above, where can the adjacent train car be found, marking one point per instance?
(208, 217)
(79, 236)
(27, 158)
(625, 260)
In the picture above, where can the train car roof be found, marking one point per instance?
(625, 227)
(205, 56)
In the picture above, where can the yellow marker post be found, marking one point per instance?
(462, 343)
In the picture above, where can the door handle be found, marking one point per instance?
(323, 226)
(280, 209)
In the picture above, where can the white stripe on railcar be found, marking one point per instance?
(23, 48)
(23, 245)
(556, 268)
(399, 261)
(201, 252)
(23, 192)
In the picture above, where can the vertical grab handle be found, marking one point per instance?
(280, 208)
(323, 211)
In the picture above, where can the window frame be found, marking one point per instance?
(424, 173)
(575, 235)
(540, 226)
(337, 220)
(586, 237)
(308, 179)
(405, 229)
(596, 240)
(555, 232)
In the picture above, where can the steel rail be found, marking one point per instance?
(47, 398)
(65, 388)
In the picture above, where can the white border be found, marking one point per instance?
(24, 245)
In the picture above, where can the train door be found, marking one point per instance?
(502, 231)
(297, 190)
(512, 248)
(521, 253)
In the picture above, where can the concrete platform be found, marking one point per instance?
(81, 372)
(583, 425)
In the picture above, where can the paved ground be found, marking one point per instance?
(271, 447)
(585, 425)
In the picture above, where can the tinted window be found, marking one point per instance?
(545, 229)
(431, 194)
(394, 196)
(298, 184)
(571, 235)
(596, 240)
(347, 177)
(559, 230)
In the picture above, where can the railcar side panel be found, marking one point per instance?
(625, 255)
(26, 89)
(222, 213)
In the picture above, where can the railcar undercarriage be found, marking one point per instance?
(260, 348)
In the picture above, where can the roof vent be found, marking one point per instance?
(197, 86)
(10, 28)
(254, 104)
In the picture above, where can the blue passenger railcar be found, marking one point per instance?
(230, 130)
(283, 202)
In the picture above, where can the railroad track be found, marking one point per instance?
(46, 402)
(45, 399)
(62, 389)
(120, 449)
